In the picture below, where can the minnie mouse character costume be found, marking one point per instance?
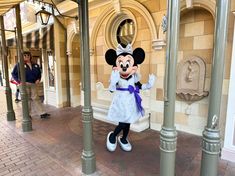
(126, 105)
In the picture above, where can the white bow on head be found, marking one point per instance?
(120, 49)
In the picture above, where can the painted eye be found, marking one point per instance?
(127, 65)
(121, 64)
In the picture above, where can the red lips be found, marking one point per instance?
(124, 75)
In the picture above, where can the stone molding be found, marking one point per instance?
(70, 35)
(208, 5)
(158, 44)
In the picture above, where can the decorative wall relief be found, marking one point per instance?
(191, 79)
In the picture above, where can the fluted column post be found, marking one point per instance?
(88, 155)
(10, 111)
(168, 134)
(211, 136)
(26, 122)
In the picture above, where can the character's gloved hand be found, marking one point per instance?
(150, 82)
(115, 77)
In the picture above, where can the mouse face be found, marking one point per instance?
(125, 60)
(125, 65)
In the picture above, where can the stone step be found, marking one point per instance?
(100, 113)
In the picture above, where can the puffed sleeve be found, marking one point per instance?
(137, 77)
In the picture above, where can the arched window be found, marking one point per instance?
(120, 29)
(125, 32)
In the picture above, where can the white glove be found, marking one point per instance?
(115, 77)
(150, 82)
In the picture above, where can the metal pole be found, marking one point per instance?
(88, 155)
(168, 134)
(26, 123)
(211, 134)
(10, 111)
(81, 53)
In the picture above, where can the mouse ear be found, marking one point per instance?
(138, 55)
(111, 56)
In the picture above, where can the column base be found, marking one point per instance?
(210, 152)
(27, 125)
(11, 116)
(168, 141)
(88, 165)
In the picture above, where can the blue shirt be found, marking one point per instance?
(31, 75)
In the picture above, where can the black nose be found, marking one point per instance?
(124, 69)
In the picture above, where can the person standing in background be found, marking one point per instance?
(33, 78)
(17, 94)
(16, 83)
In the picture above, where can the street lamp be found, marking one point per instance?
(43, 16)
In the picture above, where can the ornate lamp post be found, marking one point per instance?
(88, 154)
(211, 134)
(168, 134)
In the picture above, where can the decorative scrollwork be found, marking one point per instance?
(211, 148)
(168, 140)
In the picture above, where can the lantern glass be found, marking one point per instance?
(44, 16)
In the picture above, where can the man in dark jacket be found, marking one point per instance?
(33, 78)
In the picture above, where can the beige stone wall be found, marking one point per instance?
(232, 5)
(60, 71)
(75, 72)
(196, 39)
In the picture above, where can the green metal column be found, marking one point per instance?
(211, 135)
(10, 111)
(88, 155)
(26, 123)
(168, 134)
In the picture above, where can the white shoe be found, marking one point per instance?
(111, 147)
(126, 147)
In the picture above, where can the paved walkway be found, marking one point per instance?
(54, 148)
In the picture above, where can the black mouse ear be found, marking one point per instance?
(138, 55)
(111, 56)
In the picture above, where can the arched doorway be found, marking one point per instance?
(75, 72)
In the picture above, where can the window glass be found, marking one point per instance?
(51, 70)
(125, 32)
